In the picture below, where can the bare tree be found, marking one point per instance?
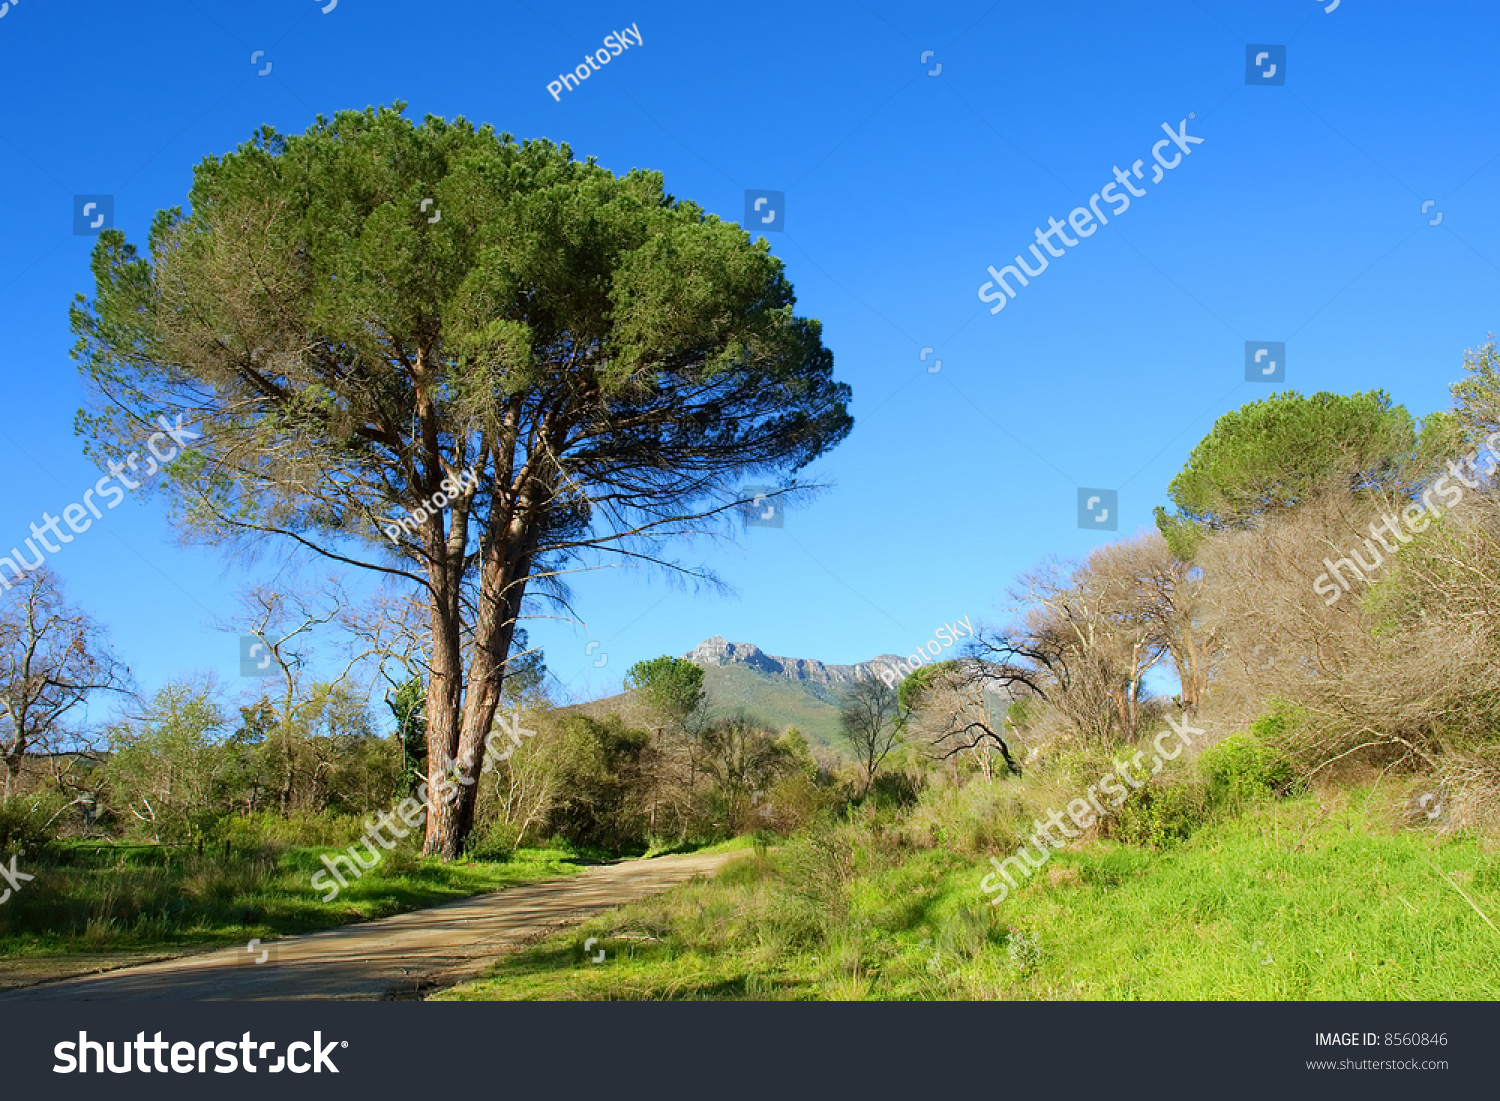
(53, 658)
(868, 722)
(947, 707)
(1164, 594)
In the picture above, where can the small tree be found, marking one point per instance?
(168, 763)
(672, 691)
(867, 720)
(743, 761)
(673, 687)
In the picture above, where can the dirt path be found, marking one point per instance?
(395, 957)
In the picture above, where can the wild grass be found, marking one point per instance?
(1314, 897)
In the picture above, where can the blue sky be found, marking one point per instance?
(1298, 219)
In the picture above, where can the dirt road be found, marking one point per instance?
(395, 957)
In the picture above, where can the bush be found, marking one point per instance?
(498, 843)
(30, 821)
(977, 819)
(1158, 815)
(1242, 768)
(811, 901)
(897, 790)
(793, 802)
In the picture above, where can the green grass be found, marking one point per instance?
(88, 899)
(1292, 900)
(733, 844)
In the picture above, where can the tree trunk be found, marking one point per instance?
(461, 708)
(443, 704)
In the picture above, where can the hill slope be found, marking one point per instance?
(778, 692)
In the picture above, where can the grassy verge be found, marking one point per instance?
(1291, 900)
(92, 901)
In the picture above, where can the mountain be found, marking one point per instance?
(778, 692)
(740, 677)
(813, 677)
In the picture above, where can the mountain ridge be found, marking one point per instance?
(719, 651)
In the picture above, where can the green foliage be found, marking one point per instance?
(27, 822)
(270, 831)
(909, 692)
(319, 240)
(1183, 536)
(166, 766)
(896, 789)
(792, 802)
(408, 706)
(1158, 814)
(974, 820)
(1025, 951)
(1476, 398)
(1291, 734)
(498, 843)
(1271, 455)
(672, 686)
(1242, 768)
(793, 743)
(177, 771)
(601, 785)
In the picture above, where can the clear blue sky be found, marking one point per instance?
(1299, 219)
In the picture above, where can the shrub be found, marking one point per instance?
(812, 899)
(30, 821)
(1158, 814)
(1242, 768)
(792, 803)
(497, 843)
(898, 790)
(976, 819)
(1025, 951)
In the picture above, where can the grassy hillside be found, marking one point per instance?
(776, 702)
(1312, 898)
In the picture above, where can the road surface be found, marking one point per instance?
(396, 957)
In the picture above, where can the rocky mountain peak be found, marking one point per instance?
(719, 651)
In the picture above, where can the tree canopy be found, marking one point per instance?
(672, 686)
(1271, 455)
